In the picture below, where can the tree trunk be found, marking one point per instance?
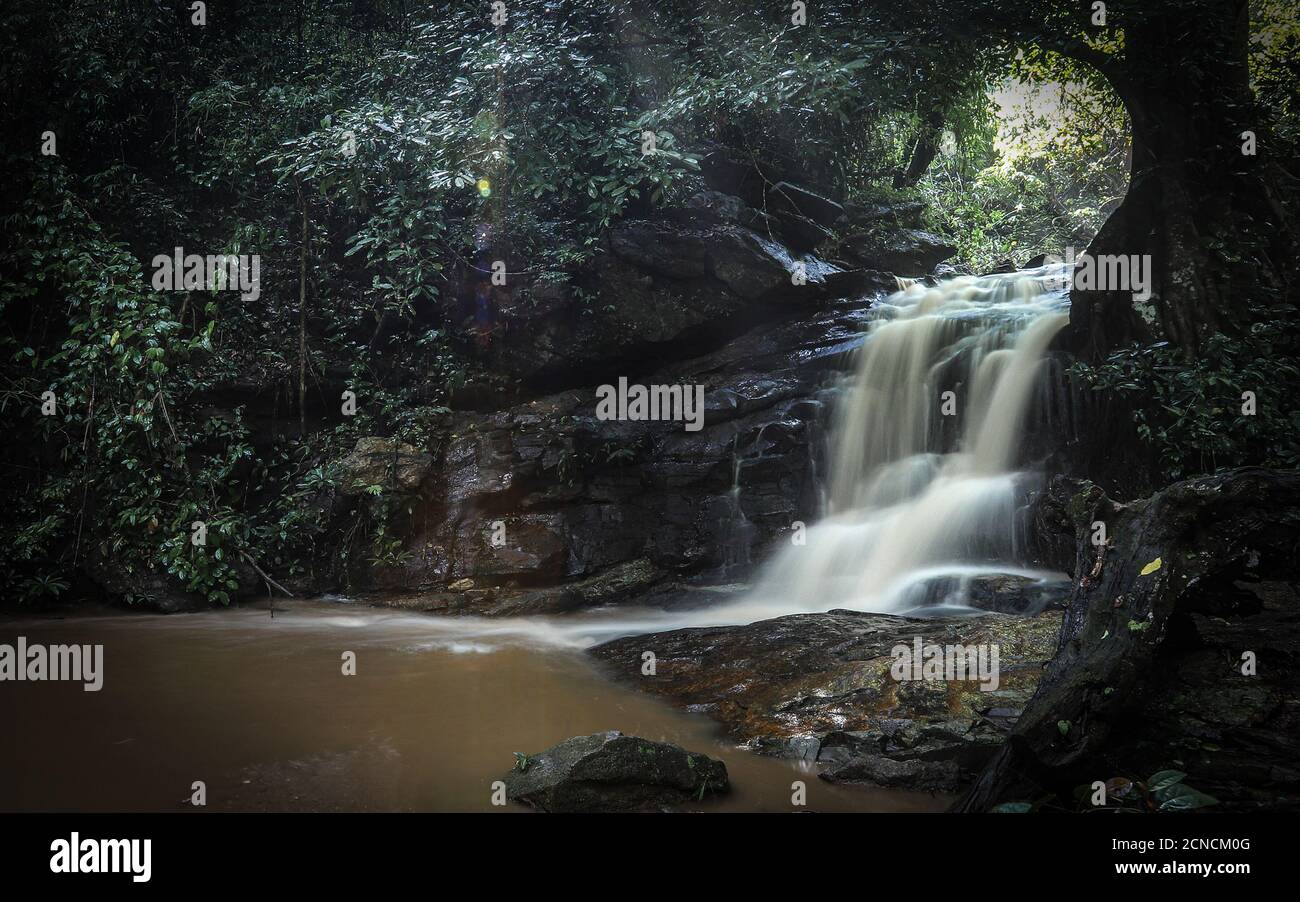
(1184, 80)
(1172, 555)
(923, 152)
(302, 321)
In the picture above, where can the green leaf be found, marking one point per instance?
(1164, 779)
(1180, 797)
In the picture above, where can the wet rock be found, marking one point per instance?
(788, 198)
(904, 252)
(608, 772)
(854, 283)
(597, 512)
(723, 207)
(384, 462)
(1001, 268)
(619, 584)
(669, 250)
(1150, 669)
(905, 214)
(948, 271)
(747, 264)
(863, 757)
(534, 545)
(636, 581)
(714, 206)
(1058, 515)
(778, 682)
(802, 234)
(928, 755)
(795, 215)
(663, 289)
(1002, 593)
(1008, 593)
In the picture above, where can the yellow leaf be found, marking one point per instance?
(112, 342)
(1151, 567)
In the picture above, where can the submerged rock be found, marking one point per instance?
(823, 681)
(1001, 593)
(608, 771)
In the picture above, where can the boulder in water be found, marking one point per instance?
(607, 772)
(784, 683)
(905, 252)
(1000, 593)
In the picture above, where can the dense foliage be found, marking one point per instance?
(364, 151)
(361, 151)
(1046, 177)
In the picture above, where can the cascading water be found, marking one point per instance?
(915, 498)
(923, 487)
(918, 500)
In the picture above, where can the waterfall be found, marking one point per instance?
(923, 484)
(916, 499)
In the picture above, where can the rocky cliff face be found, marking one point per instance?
(543, 507)
(527, 501)
(539, 505)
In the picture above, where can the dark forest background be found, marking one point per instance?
(1017, 128)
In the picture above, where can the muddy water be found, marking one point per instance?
(257, 707)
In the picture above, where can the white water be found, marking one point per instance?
(921, 490)
(916, 499)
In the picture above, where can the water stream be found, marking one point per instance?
(923, 488)
(924, 482)
(258, 709)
